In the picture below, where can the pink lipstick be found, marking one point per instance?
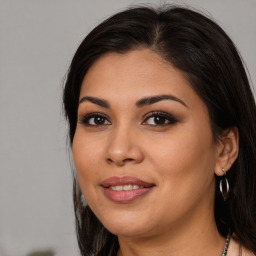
(125, 189)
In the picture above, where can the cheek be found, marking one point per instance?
(185, 165)
(185, 160)
(86, 155)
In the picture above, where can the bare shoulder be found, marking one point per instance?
(235, 249)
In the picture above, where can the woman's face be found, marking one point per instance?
(143, 146)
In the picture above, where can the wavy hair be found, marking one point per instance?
(195, 44)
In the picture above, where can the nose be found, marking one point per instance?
(124, 147)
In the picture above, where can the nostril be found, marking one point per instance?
(128, 160)
(110, 160)
(120, 161)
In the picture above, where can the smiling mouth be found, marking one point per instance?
(125, 189)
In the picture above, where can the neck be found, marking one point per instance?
(197, 236)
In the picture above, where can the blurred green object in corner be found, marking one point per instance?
(42, 253)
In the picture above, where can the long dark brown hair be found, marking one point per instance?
(196, 45)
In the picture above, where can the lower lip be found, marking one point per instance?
(125, 196)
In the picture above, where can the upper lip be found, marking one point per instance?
(125, 180)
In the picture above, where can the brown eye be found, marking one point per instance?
(94, 119)
(159, 119)
(98, 120)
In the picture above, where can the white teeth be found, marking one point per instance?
(117, 188)
(125, 187)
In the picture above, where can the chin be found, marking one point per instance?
(128, 227)
(126, 231)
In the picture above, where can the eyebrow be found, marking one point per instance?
(97, 101)
(157, 98)
(140, 103)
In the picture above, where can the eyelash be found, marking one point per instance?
(168, 117)
(85, 119)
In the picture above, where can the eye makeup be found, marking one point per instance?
(153, 118)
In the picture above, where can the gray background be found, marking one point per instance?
(37, 41)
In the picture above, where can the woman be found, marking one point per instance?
(162, 124)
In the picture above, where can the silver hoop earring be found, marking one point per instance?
(224, 189)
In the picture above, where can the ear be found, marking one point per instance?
(227, 150)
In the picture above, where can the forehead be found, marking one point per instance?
(135, 74)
